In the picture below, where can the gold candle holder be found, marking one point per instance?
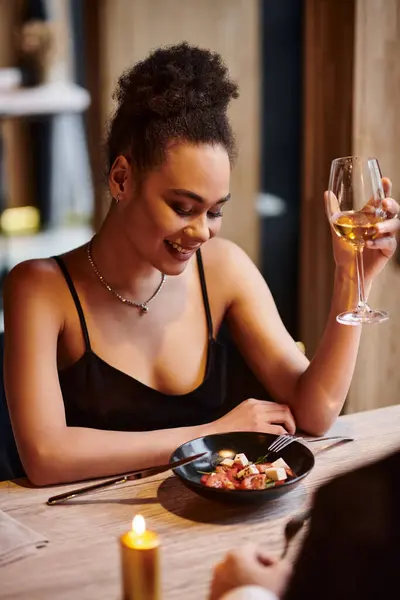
(140, 562)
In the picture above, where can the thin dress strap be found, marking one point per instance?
(205, 295)
(76, 300)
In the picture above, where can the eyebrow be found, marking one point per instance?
(196, 197)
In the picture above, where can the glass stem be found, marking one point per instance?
(362, 303)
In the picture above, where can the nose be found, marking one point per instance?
(198, 229)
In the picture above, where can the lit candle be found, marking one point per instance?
(140, 562)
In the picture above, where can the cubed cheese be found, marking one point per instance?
(227, 462)
(276, 474)
(248, 471)
(280, 464)
(241, 459)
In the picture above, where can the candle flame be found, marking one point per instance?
(138, 525)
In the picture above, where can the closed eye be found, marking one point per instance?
(182, 212)
(188, 213)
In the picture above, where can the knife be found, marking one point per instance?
(139, 474)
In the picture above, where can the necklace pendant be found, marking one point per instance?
(143, 307)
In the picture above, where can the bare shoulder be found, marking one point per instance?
(230, 272)
(230, 264)
(225, 256)
(31, 276)
(35, 289)
(39, 276)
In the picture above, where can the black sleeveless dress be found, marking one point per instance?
(99, 396)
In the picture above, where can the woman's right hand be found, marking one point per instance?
(257, 415)
(249, 565)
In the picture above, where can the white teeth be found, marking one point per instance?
(178, 247)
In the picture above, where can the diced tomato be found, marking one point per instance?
(246, 484)
(258, 482)
(215, 481)
(231, 474)
(204, 479)
(281, 482)
(228, 485)
(263, 467)
(220, 480)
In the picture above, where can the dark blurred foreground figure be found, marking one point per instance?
(351, 552)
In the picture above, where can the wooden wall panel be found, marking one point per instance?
(352, 105)
(129, 29)
(8, 19)
(95, 114)
(377, 133)
(327, 133)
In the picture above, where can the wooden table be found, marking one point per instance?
(82, 559)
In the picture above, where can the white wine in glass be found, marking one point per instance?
(354, 207)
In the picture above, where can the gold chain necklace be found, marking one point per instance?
(143, 306)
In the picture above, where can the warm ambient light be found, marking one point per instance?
(20, 220)
(227, 453)
(138, 525)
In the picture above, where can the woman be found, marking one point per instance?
(111, 358)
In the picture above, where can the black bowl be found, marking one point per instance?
(299, 458)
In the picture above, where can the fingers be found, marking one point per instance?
(391, 207)
(249, 564)
(390, 226)
(283, 416)
(247, 552)
(264, 557)
(385, 239)
(275, 429)
(387, 186)
(249, 557)
(387, 245)
(278, 416)
(220, 583)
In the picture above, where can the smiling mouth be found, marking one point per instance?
(180, 249)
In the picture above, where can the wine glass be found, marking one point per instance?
(354, 207)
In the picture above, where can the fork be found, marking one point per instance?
(292, 527)
(282, 441)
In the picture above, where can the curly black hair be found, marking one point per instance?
(178, 93)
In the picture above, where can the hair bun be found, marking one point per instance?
(174, 80)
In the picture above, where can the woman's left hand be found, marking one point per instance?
(377, 251)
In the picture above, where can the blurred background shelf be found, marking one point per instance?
(57, 97)
(10, 77)
(43, 244)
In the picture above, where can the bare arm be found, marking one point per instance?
(315, 392)
(52, 452)
(78, 453)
